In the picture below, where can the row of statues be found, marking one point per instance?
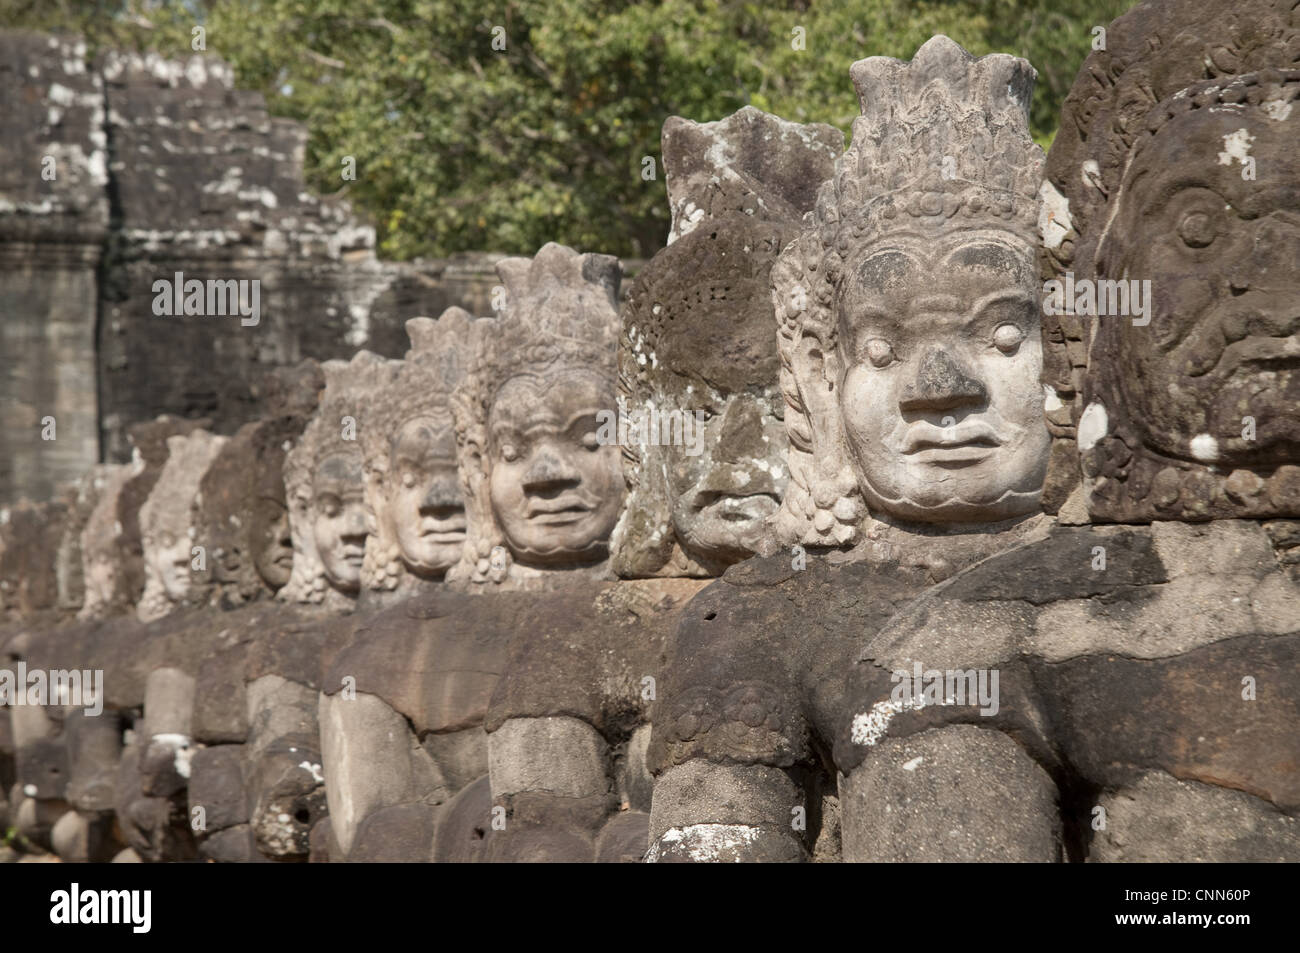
(832, 539)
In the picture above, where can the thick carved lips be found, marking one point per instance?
(450, 530)
(1262, 353)
(567, 508)
(959, 445)
(740, 509)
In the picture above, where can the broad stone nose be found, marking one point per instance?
(741, 434)
(354, 522)
(443, 495)
(549, 471)
(941, 384)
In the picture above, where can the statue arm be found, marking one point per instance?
(958, 793)
(708, 812)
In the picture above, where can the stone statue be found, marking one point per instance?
(704, 439)
(325, 488)
(543, 491)
(111, 551)
(101, 571)
(241, 514)
(1143, 709)
(908, 316)
(933, 196)
(167, 526)
(70, 567)
(541, 495)
(569, 721)
(31, 536)
(1219, 440)
(408, 439)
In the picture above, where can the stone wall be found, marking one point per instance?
(162, 167)
(54, 216)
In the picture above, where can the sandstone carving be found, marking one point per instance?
(1146, 699)
(112, 552)
(700, 410)
(937, 192)
(325, 487)
(408, 438)
(167, 530)
(241, 514)
(956, 565)
(30, 537)
(908, 317)
(543, 491)
(1163, 176)
(1145, 661)
(569, 724)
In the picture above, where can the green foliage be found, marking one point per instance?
(110, 24)
(460, 146)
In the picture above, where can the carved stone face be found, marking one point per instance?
(722, 495)
(427, 511)
(555, 490)
(1221, 254)
(339, 519)
(168, 556)
(273, 552)
(940, 395)
(101, 578)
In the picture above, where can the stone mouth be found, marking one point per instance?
(925, 439)
(737, 508)
(962, 454)
(443, 536)
(923, 445)
(452, 529)
(560, 517)
(562, 509)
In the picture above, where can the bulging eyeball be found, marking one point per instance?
(880, 352)
(1007, 338)
(1197, 229)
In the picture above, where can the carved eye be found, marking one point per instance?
(1197, 229)
(1007, 338)
(330, 506)
(589, 440)
(508, 452)
(879, 352)
(408, 479)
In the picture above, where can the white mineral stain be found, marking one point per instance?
(1236, 145)
(1277, 110)
(1054, 221)
(1093, 425)
(703, 842)
(1205, 448)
